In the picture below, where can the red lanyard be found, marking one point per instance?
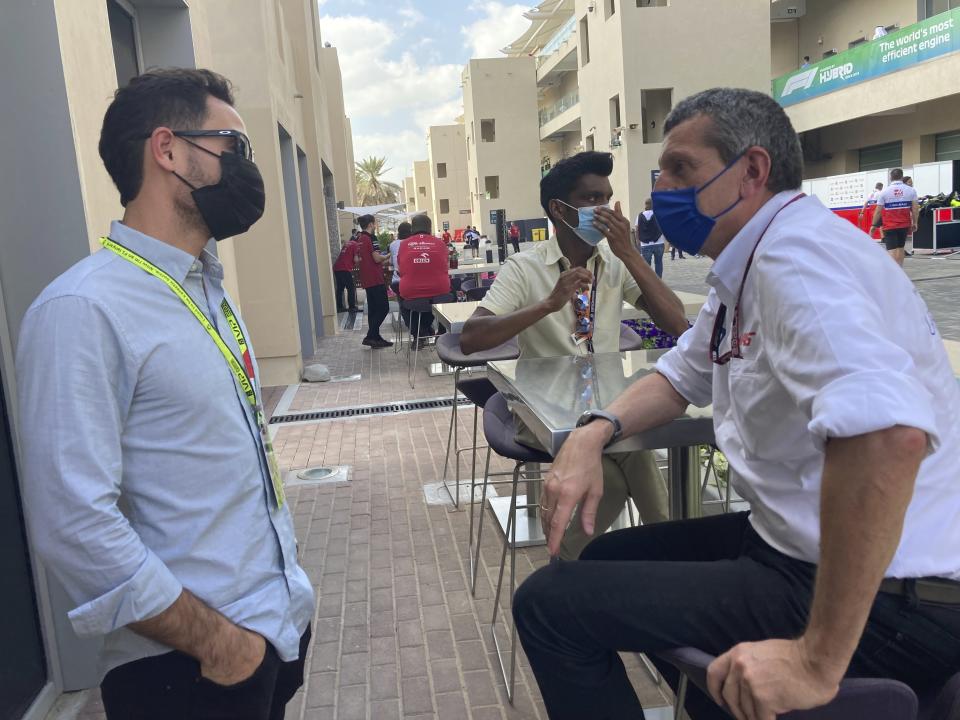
(718, 329)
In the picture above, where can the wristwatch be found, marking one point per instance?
(591, 415)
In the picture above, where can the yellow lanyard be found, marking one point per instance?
(245, 380)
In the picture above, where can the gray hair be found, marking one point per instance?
(741, 119)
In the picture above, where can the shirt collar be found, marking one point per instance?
(552, 254)
(173, 261)
(727, 272)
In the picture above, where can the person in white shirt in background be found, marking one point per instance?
(835, 404)
(870, 202)
(649, 238)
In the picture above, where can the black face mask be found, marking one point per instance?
(233, 205)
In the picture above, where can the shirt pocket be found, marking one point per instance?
(769, 424)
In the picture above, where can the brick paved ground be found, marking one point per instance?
(397, 634)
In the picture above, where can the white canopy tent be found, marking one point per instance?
(370, 209)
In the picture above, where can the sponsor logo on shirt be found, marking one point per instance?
(424, 259)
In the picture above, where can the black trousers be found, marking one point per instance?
(344, 280)
(516, 244)
(377, 309)
(170, 686)
(710, 584)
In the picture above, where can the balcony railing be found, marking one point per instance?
(560, 106)
(557, 41)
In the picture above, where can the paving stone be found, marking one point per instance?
(416, 696)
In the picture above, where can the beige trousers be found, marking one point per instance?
(625, 475)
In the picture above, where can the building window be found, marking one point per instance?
(881, 157)
(588, 143)
(444, 206)
(830, 53)
(948, 146)
(125, 37)
(441, 170)
(655, 105)
(935, 7)
(614, 114)
(584, 42)
(858, 41)
(488, 130)
(609, 8)
(652, 3)
(423, 191)
(491, 187)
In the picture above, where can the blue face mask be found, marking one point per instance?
(680, 219)
(585, 228)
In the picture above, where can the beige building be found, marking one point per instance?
(608, 73)
(57, 200)
(447, 155)
(423, 187)
(500, 120)
(409, 194)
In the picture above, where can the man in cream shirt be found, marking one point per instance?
(592, 258)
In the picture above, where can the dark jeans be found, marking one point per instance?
(653, 253)
(170, 686)
(675, 249)
(515, 241)
(344, 279)
(710, 584)
(377, 309)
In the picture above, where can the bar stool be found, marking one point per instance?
(500, 430)
(422, 306)
(449, 352)
(877, 699)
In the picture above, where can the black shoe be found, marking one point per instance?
(353, 310)
(372, 343)
(381, 342)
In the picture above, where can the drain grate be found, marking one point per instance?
(393, 408)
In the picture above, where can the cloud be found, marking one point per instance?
(400, 148)
(498, 26)
(411, 16)
(387, 86)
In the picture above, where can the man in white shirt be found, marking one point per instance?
(870, 202)
(649, 238)
(897, 211)
(836, 406)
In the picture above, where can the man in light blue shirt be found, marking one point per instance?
(150, 485)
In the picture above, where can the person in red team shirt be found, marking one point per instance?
(515, 237)
(343, 273)
(424, 267)
(446, 236)
(898, 209)
(371, 277)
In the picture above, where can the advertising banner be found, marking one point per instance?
(931, 38)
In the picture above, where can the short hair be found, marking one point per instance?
(879, 186)
(403, 230)
(907, 177)
(420, 224)
(171, 97)
(740, 119)
(806, 57)
(896, 174)
(365, 220)
(563, 177)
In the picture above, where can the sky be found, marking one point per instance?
(401, 62)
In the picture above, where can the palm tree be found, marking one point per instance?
(371, 188)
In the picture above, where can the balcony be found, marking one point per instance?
(562, 116)
(559, 55)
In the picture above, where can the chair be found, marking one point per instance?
(477, 391)
(425, 306)
(468, 285)
(877, 699)
(477, 293)
(499, 428)
(629, 340)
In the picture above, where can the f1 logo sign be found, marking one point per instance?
(800, 81)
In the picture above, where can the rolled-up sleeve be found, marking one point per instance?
(832, 350)
(508, 292)
(76, 378)
(687, 366)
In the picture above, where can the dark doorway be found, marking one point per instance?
(23, 667)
